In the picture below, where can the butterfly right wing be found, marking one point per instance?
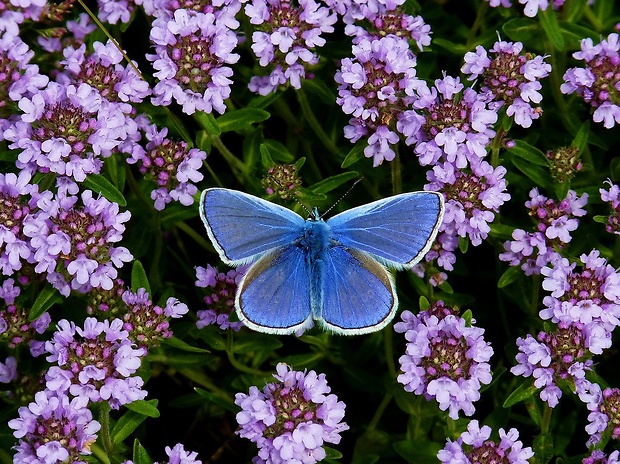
(274, 294)
(243, 227)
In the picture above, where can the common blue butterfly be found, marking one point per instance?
(331, 271)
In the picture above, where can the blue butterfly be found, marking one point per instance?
(331, 271)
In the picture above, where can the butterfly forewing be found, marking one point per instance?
(274, 294)
(242, 227)
(358, 295)
(398, 230)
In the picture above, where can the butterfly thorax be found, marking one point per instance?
(315, 238)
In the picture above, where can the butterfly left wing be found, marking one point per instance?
(358, 294)
(274, 294)
(243, 227)
(398, 230)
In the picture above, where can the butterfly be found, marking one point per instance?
(305, 270)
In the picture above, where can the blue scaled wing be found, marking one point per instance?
(358, 294)
(243, 227)
(397, 230)
(274, 295)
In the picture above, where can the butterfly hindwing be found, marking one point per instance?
(358, 295)
(398, 230)
(274, 294)
(242, 227)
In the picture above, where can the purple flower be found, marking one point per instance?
(285, 39)
(15, 326)
(178, 455)
(115, 11)
(612, 196)
(206, 43)
(79, 239)
(14, 13)
(445, 359)
(598, 83)
(509, 78)
(472, 198)
(172, 165)
(291, 419)
(604, 406)
(474, 446)
(377, 87)
(531, 6)
(220, 300)
(555, 357)
(554, 223)
(146, 323)
(66, 130)
(8, 370)
(54, 429)
(223, 10)
(590, 297)
(95, 363)
(598, 457)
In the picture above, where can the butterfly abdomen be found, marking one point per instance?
(315, 241)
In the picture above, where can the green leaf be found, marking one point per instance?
(539, 175)
(543, 449)
(520, 29)
(501, 231)
(203, 141)
(600, 219)
(222, 402)
(126, 425)
(463, 244)
(424, 303)
(468, 316)
(9, 155)
(355, 154)
(100, 185)
(574, 10)
(175, 342)
(549, 22)
(237, 120)
(279, 153)
(208, 123)
(176, 212)
(561, 190)
(331, 453)
(333, 182)
(419, 452)
(574, 33)
(581, 138)
(454, 48)
(528, 152)
(522, 392)
(319, 89)
(261, 101)
(509, 276)
(138, 278)
(140, 456)
(146, 408)
(251, 147)
(614, 168)
(47, 298)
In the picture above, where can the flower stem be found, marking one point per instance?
(315, 125)
(104, 433)
(379, 411)
(397, 183)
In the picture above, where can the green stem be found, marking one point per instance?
(546, 420)
(236, 364)
(557, 63)
(213, 175)
(496, 145)
(104, 433)
(198, 237)
(379, 412)
(481, 12)
(112, 39)
(388, 349)
(395, 168)
(236, 165)
(315, 125)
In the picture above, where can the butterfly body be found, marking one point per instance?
(329, 271)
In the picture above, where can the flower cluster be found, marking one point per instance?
(15, 328)
(148, 324)
(531, 7)
(8, 370)
(564, 162)
(559, 357)
(285, 40)
(475, 446)
(282, 180)
(554, 224)
(445, 359)
(447, 125)
(509, 78)
(191, 54)
(73, 244)
(612, 196)
(171, 165)
(220, 300)
(598, 457)
(54, 429)
(377, 87)
(291, 419)
(177, 455)
(604, 406)
(95, 363)
(598, 83)
(591, 297)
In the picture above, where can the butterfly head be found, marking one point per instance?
(314, 215)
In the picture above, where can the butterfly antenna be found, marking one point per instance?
(345, 194)
(294, 198)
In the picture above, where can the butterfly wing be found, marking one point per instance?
(358, 293)
(242, 227)
(398, 230)
(274, 295)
